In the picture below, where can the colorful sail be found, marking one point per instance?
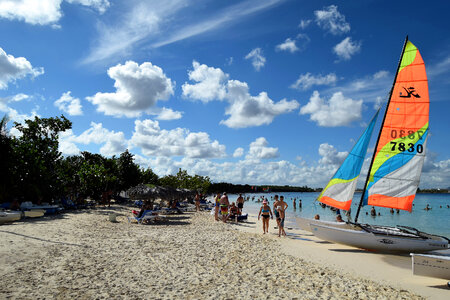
(339, 191)
(397, 164)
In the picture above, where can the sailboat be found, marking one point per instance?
(395, 168)
(339, 191)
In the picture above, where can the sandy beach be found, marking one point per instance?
(81, 255)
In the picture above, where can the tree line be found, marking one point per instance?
(33, 169)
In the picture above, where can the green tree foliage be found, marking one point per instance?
(36, 157)
(129, 173)
(6, 161)
(185, 181)
(149, 177)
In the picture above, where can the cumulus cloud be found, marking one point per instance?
(138, 88)
(259, 150)
(42, 12)
(69, 104)
(13, 68)
(238, 152)
(332, 20)
(338, 111)
(167, 114)
(287, 45)
(257, 58)
(210, 83)
(244, 110)
(330, 156)
(347, 48)
(113, 142)
(154, 141)
(306, 81)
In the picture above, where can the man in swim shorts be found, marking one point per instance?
(240, 203)
(281, 208)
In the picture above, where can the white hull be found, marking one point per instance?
(359, 238)
(437, 266)
(6, 217)
(304, 223)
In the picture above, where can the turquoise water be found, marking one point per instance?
(435, 221)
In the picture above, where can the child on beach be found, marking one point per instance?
(224, 203)
(216, 208)
(265, 212)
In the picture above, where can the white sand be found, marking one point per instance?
(82, 255)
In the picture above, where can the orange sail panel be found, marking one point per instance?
(398, 160)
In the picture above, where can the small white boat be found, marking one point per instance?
(381, 238)
(304, 223)
(437, 266)
(9, 216)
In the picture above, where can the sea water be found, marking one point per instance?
(434, 221)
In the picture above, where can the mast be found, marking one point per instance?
(379, 133)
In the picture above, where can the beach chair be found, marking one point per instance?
(147, 216)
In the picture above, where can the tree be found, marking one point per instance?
(129, 173)
(6, 162)
(36, 157)
(149, 177)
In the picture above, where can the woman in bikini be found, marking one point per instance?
(265, 212)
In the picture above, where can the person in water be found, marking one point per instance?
(373, 213)
(428, 207)
(339, 218)
(266, 213)
(294, 205)
(316, 217)
(281, 208)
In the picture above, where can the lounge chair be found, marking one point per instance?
(147, 216)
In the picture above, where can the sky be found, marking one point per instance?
(266, 92)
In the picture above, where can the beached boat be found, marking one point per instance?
(9, 216)
(339, 191)
(396, 165)
(35, 213)
(431, 265)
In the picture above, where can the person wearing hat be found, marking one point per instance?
(265, 212)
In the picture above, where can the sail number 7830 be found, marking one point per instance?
(403, 147)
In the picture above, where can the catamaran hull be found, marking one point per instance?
(304, 223)
(377, 242)
(6, 217)
(437, 266)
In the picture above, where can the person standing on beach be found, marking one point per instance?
(281, 208)
(277, 214)
(224, 203)
(197, 201)
(240, 203)
(265, 212)
(216, 207)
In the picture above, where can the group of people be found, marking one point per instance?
(279, 209)
(227, 210)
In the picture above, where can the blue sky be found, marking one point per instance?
(258, 92)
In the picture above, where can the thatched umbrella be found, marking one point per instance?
(151, 193)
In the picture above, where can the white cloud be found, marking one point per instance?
(210, 83)
(13, 68)
(13, 114)
(159, 23)
(100, 5)
(167, 114)
(238, 152)
(259, 150)
(257, 58)
(138, 88)
(330, 156)
(113, 142)
(304, 23)
(42, 12)
(154, 141)
(244, 110)
(346, 48)
(287, 45)
(338, 111)
(331, 20)
(306, 81)
(69, 104)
